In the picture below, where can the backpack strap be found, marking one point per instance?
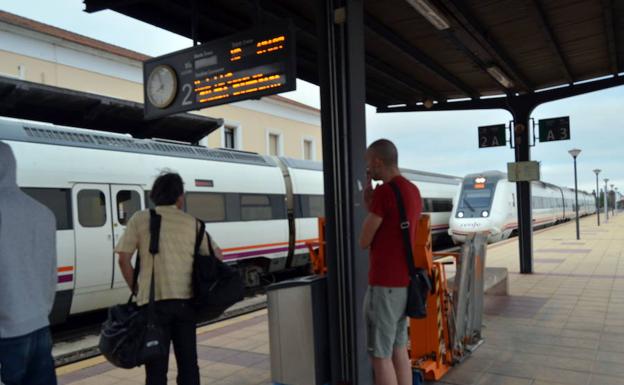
(154, 226)
(405, 230)
(200, 237)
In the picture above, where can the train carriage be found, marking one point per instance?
(487, 202)
(261, 210)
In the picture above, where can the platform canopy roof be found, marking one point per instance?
(26, 100)
(421, 51)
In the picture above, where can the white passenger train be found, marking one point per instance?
(487, 202)
(261, 210)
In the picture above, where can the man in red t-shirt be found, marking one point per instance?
(386, 299)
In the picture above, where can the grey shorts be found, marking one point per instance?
(386, 322)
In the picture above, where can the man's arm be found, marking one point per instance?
(369, 229)
(125, 264)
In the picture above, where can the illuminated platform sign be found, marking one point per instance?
(247, 65)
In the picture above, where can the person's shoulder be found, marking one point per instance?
(410, 186)
(140, 216)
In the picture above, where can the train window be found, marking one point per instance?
(209, 207)
(316, 206)
(256, 208)
(427, 205)
(442, 205)
(148, 201)
(91, 208)
(58, 201)
(128, 203)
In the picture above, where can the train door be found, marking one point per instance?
(94, 238)
(126, 201)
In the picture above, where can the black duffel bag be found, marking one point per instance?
(131, 336)
(216, 285)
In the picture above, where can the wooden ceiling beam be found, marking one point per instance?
(608, 20)
(417, 55)
(468, 23)
(537, 9)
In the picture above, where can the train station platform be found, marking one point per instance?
(562, 325)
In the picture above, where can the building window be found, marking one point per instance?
(308, 149)
(274, 144)
(229, 137)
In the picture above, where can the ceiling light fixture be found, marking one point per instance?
(500, 76)
(431, 13)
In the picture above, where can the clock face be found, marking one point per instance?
(162, 86)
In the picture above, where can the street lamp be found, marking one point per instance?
(606, 200)
(575, 152)
(597, 171)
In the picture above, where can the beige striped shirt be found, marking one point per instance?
(174, 262)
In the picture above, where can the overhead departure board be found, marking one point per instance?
(247, 65)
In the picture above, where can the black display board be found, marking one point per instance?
(247, 65)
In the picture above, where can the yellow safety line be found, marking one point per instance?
(66, 369)
(84, 364)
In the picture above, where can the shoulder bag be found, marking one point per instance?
(419, 284)
(216, 286)
(131, 336)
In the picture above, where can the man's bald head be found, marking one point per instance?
(386, 151)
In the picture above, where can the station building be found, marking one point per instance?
(40, 53)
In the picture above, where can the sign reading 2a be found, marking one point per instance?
(554, 129)
(492, 136)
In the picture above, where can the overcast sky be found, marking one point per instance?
(444, 142)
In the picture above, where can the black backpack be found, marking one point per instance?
(216, 285)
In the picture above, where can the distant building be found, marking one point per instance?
(40, 53)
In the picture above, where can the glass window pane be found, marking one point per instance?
(229, 137)
(255, 200)
(128, 203)
(316, 206)
(208, 207)
(256, 213)
(91, 208)
(57, 200)
(256, 208)
(273, 144)
(307, 149)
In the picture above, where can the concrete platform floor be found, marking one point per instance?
(562, 325)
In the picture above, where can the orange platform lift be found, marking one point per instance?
(434, 345)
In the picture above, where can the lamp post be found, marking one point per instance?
(597, 171)
(575, 152)
(606, 199)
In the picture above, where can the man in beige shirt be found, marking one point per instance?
(172, 267)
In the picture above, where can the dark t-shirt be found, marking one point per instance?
(388, 266)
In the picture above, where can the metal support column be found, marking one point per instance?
(342, 83)
(521, 113)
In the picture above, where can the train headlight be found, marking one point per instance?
(460, 214)
(484, 213)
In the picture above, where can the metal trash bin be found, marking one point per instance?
(298, 332)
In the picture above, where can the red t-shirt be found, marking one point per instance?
(388, 265)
